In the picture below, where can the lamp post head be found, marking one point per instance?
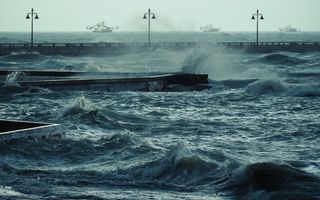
(36, 17)
(27, 17)
(261, 17)
(253, 17)
(153, 16)
(144, 16)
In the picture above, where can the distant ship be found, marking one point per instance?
(102, 28)
(289, 28)
(209, 28)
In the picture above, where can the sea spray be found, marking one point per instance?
(221, 130)
(218, 62)
(11, 80)
(80, 106)
(10, 85)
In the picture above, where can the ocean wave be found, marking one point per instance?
(11, 85)
(180, 167)
(37, 90)
(80, 106)
(103, 117)
(279, 58)
(308, 90)
(266, 87)
(304, 74)
(127, 140)
(23, 56)
(53, 64)
(4, 39)
(7, 64)
(234, 84)
(77, 150)
(273, 181)
(18, 90)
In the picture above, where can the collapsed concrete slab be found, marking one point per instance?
(11, 130)
(102, 81)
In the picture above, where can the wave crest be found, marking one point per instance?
(279, 58)
(23, 56)
(180, 166)
(81, 106)
(274, 181)
(265, 87)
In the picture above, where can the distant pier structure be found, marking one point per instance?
(74, 49)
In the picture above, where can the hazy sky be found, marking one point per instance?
(172, 15)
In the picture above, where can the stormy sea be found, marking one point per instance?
(254, 134)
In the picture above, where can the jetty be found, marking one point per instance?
(111, 49)
(11, 130)
(105, 81)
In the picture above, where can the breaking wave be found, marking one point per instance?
(181, 167)
(23, 56)
(237, 83)
(81, 106)
(178, 169)
(11, 85)
(266, 87)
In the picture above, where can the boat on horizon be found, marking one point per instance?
(102, 28)
(288, 28)
(209, 28)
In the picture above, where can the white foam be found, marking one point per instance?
(8, 191)
(266, 87)
(11, 80)
(81, 105)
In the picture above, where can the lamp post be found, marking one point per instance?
(28, 17)
(145, 17)
(261, 18)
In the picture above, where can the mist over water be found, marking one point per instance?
(253, 135)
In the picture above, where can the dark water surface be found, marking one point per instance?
(253, 135)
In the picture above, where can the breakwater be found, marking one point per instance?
(103, 48)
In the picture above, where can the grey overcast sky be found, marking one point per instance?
(172, 15)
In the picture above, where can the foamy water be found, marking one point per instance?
(253, 135)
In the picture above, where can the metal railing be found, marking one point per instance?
(288, 43)
(100, 44)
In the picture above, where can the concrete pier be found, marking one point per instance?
(56, 80)
(11, 130)
(110, 49)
